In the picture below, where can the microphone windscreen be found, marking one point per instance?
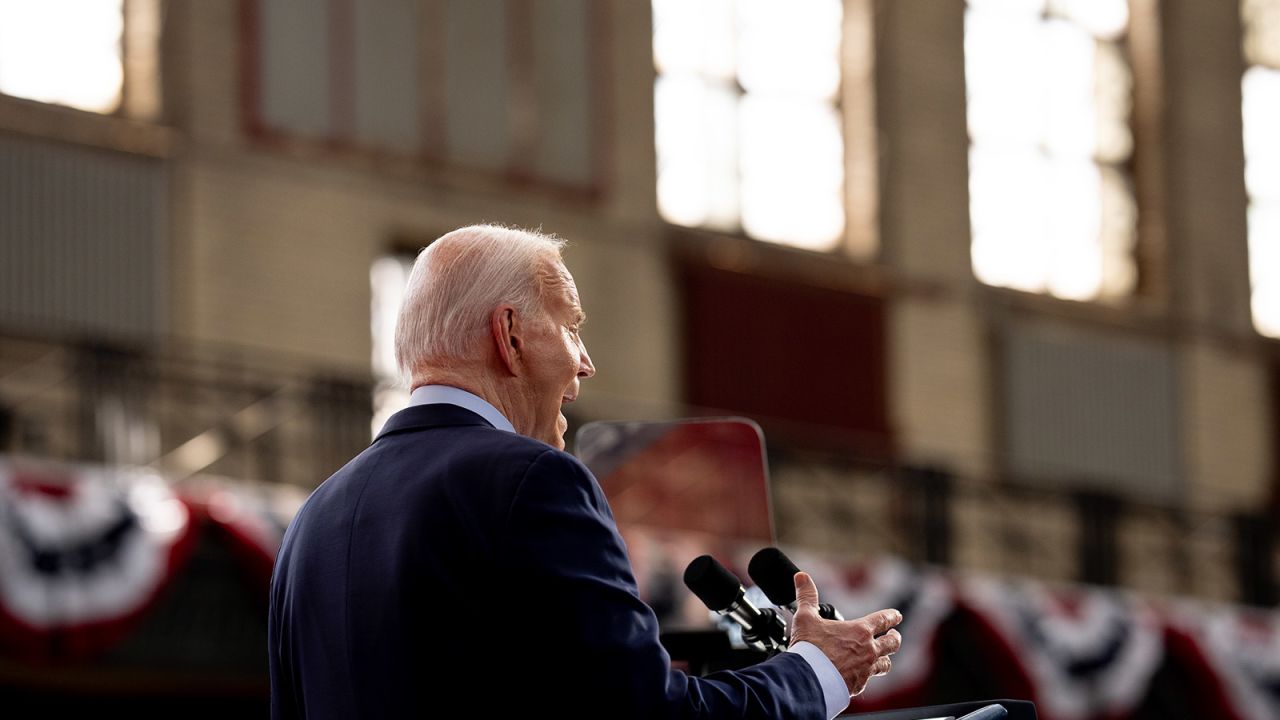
(712, 583)
(774, 573)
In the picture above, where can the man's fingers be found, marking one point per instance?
(879, 621)
(883, 666)
(806, 591)
(888, 643)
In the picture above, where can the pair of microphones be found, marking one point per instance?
(722, 592)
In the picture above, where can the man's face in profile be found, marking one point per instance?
(556, 358)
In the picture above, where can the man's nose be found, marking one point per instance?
(585, 368)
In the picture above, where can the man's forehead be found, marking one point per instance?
(559, 269)
(566, 280)
(575, 306)
(565, 289)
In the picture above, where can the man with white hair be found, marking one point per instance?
(464, 560)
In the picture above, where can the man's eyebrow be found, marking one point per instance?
(579, 316)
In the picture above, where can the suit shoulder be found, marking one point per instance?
(513, 447)
(555, 476)
(560, 461)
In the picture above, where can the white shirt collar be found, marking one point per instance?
(449, 395)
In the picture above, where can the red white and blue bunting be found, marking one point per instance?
(1088, 653)
(1081, 653)
(250, 518)
(1242, 647)
(83, 551)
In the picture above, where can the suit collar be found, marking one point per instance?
(422, 417)
(446, 394)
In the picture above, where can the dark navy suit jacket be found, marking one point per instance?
(456, 570)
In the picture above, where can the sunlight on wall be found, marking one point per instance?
(388, 277)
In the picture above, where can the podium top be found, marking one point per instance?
(973, 710)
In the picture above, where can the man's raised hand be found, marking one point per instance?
(859, 649)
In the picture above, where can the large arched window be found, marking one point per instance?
(748, 125)
(1049, 87)
(1261, 107)
(95, 55)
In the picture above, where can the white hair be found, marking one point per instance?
(456, 283)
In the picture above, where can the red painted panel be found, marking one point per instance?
(807, 363)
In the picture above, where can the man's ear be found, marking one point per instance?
(504, 326)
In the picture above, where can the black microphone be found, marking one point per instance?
(722, 592)
(774, 573)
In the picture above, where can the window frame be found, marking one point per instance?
(430, 164)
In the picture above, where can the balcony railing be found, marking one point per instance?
(188, 410)
(930, 515)
(182, 410)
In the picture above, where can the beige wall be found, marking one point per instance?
(277, 245)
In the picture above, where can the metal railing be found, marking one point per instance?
(187, 410)
(929, 515)
(182, 410)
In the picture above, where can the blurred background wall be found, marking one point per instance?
(1000, 278)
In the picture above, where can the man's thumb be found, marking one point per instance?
(806, 591)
